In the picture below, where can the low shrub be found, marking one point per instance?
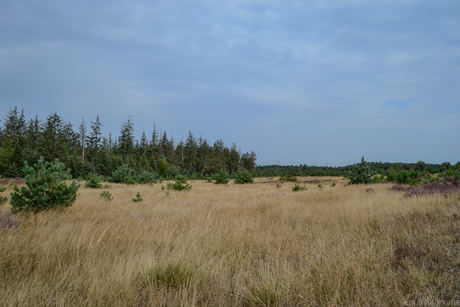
(288, 177)
(93, 181)
(45, 188)
(297, 187)
(124, 174)
(3, 199)
(106, 195)
(138, 197)
(221, 177)
(180, 184)
(243, 177)
(8, 220)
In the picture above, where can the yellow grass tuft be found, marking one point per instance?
(235, 245)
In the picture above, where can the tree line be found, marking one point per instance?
(86, 151)
(381, 168)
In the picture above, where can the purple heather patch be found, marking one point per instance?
(7, 220)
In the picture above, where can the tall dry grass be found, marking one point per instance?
(236, 245)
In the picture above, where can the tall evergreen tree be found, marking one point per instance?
(95, 138)
(53, 144)
(126, 139)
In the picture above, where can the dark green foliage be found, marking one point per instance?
(361, 173)
(138, 197)
(93, 181)
(3, 199)
(288, 177)
(106, 195)
(145, 177)
(46, 188)
(180, 184)
(244, 176)
(221, 177)
(124, 174)
(297, 187)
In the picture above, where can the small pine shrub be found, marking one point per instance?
(138, 197)
(180, 184)
(278, 185)
(361, 174)
(333, 185)
(288, 177)
(221, 177)
(45, 188)
(297, 187)
(93, 181)
(106, 195)
(146, 177)
(243, 177)
(124, 174)
(3, 199)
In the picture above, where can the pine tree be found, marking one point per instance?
(53, 144)
(126, 139)
(94, 139)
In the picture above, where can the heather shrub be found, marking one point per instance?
(45, 188)
(244, 176)
(221, 177)
(8, 220)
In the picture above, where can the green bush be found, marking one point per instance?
(221, 177)
(93, 181)
(2, 198)
(361, 174)
(244, 176)
(297, 187)
(124, 174)
(138, 197)
(106, 195)
(46, 188)
(180, 184)
(288, 177)
(145, 177)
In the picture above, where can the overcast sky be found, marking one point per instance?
(299, 82)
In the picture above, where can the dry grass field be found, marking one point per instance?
(236, 245)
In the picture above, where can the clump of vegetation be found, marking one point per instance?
(173, 276)
(333, 185)
(221, 177)
(297, 187)
(278, 185)
(45, 188)
(361, 174)
(243, 177)
(106, 195)
(288, 177)
(3, 199)
(8, 220)
(93, 181)
(137, 198)
(124, 174)
(179, 184)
